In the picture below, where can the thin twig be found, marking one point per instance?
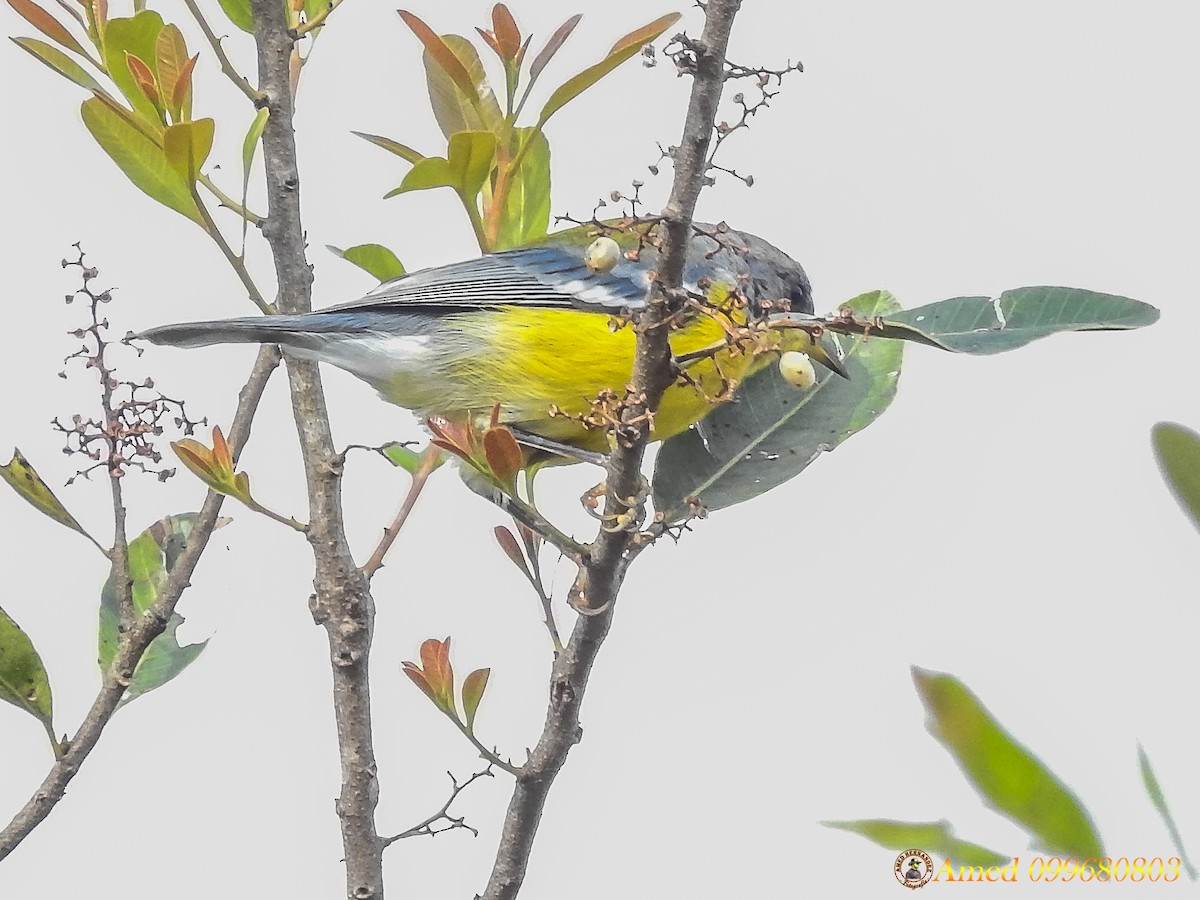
(236, 262)
(341, 600)
(430, 457)
(607, 560)
(148, 626)
(228, 202)
(425, 828)
(227, 67)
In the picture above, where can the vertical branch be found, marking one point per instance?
(342, 600)
(608, 559)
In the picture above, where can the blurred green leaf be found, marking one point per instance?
(465, 169)
(472, 693)
(376, 259)
(937, 838)
(1177, 450)
(1155, 793)
(1010, 778)
(60, 63)
(772, 431)
(151, 556)
(459, 92)
(402, 150)
(24, 479)
(983, 325)
(46, 24)
(313, 7)
(239, 14)
(23, 679)
(525, 215)
(624, 49)
(142, 160)
(187, 145)
(136, 36)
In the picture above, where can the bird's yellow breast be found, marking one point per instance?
(528, 359)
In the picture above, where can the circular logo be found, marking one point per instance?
(914, 868)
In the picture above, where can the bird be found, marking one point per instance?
(530, 337)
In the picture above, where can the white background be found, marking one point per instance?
(1003, 522)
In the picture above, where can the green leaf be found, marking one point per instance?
(142, 160)
(23, 679)
(771, 432)
(1177, 450)
(465, 169)
(173, 63)
(402, 150)
(151, 556)
(1009, 778)
(136, 36)
(46, 24)
(401, 455)
(24, 479)
(937, 838)
(458, 104)
(376, 259)
(624, 49)
(239, 14)
(60, 63)
(1155, 793)
(982, 325)
(187, 145)
(472, 693)
(526, 213)
(249, 148)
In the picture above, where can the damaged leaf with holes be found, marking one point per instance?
(152, 554)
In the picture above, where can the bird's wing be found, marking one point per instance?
(547, 276)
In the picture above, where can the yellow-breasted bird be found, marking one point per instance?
(537, 328)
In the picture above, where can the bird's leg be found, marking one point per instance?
(523, 513)
(635, 506)
(537, 442)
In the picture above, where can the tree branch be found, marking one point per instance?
(148, 626)
(342, 600)
(608, 559)
(428, 826)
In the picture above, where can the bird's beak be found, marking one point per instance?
(825, 351)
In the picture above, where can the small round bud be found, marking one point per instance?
(797, 369)
(602, 255)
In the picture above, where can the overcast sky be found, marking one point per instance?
(1004, 520)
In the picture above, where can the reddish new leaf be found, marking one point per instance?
(508, 35)
(418, 678)
(181, 95)
(503, 453)
(46, 24)
(441, 54)
(144, 77)
(552, 46)
(508, 543)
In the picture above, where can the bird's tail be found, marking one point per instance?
(304, 332)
